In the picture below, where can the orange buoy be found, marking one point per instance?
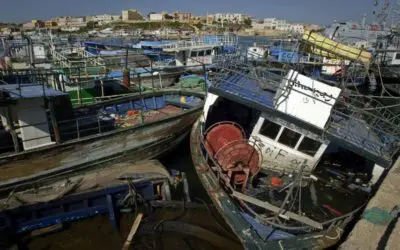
(276, 181)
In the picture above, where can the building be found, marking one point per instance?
(157, 16)
(258, 25)
(116, 18)
(38, 23)
(131, 15)
(102, 19)
(182, 16)
(5, 30)
(297, 28)
(50, 24)
(28, 26)
(276, 24)
(70, 21)
(229, 17)
(209, 19)
(77, 22)
(61, 21)
(33, 25)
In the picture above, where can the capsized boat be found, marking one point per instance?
(124, 185)
(278, 164)
(44, 136)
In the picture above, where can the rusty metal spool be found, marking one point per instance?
(240, 155)
(220, 134)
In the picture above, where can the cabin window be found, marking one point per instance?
(289, 138)
(397, 56)
(208, 52)
(201, 53)
(270, 129)
(255, 50)
(193, 54)
(309, 146)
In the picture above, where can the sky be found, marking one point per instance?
(306, 11)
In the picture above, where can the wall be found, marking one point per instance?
(31, 111)
(299, 93)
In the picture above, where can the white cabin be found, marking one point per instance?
(28, 113)
(193, 55)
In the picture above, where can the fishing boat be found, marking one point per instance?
(278, 161)
(123, 186)
(44, 136)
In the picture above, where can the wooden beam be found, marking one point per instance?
(132, 233)
(275, 209)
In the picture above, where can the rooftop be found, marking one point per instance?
(26, 91)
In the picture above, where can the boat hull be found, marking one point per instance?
(270, 238)
(145, 141)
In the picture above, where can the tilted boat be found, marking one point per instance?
(106, 191)
(278, 164)
(43, 136)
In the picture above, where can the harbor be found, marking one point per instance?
(178, 131)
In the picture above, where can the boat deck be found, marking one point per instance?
(353, 132)
(367, 235)
(17, 169)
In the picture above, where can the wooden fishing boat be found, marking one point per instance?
(278, 164)
(44, 137)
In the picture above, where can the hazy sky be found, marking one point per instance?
(311, 11)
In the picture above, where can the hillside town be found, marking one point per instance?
(162, 22)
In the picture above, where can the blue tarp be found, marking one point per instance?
(241, 86)
(266, 232)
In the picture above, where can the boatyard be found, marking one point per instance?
(174, 130)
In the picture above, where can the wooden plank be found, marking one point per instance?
(276, 209)
(132, 233)
(46, 230)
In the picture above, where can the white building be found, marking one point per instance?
(71, 21)
(297, 28)
(257, 25)
(102, 19)
(229, 17)
(156, 16)
(282, 25)
(276, 24)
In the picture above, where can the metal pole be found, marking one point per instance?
(77, 128)
(79, 87)
(54, 121)
(11, 129)
(152, 75)
(102, 88)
